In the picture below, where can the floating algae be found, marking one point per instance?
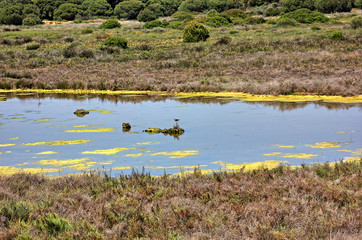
(177, 154)
(273, 154)
(108, 151)
(134, 155)
(4, 170)
(283, 146)
(60, 142)
(47, 153)
(15, 138)
(92, 130)
(7, 145)
(81, 112)
(324, 145)
(77, 164)
(146, 143)
(300, 155)
(101, 111)
(91, 125)
(44, 120)
(175, 131)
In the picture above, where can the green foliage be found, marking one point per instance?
(336, 35)
(31, 20)
(315, 28)
(358, 4)
(168, 7)
(306, 16)
(292, 5)
(218, 21)
(329, 6)
(115, 42)
(12, 15)
(146, 15)
(97, 8)
(128, 9)
(195, 32)
(356, 22)
(274, 11)
(31, 9)
(53, 224)
(15, 211)
(156, 23)
(156, 8)
(66, 11)
(175, 25)
(182, 16)
(222, 5)
(32, 46)
(253, 20)
(284, 22)
(193, 6)
(110, 24)
(87, 31)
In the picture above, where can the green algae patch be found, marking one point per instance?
(344, 150)
(123, 168)
(92, 130)
(300, 155)
(177, 154)
(5, 170)
(273, 154)
(44, 119)
(135, 155)
(283, 146)
(15, 138)
(91, 125)
(59, 142)
(112, 151)
(77, 164)
(18, 118)
(324, 145)
(7, 145)
(178, 167)
(175, 131)
(47, 153)
(101, 111)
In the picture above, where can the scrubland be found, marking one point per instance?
(309, 202)
(258, 59)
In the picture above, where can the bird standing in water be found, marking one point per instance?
(176, 120)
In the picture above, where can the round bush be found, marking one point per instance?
(128, 9)
(32, 46)
(306, 16)
(146, 15)
(181, 16)
(115, 42)
(356, 22)
(336, 35)
(66, 11)
(217, 21)
(195, 32)
(284, 22)
(329, 6)
(11, 15)
(31, 20)
(109, 24)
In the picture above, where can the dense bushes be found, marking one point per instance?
(115, 42)
(11, 15)
(96, 8)
(128, 9)
(336, 35)
(195, 32)
(156, 23)
(328, 6)
(218, 20)
(109, 24)
(146, 15)
(292, 5)
(66, 11)
(356, 22)
(306, 16)
(31, 20)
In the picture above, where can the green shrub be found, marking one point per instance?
(252, 20)
(31, 20)
(356, 22)
(329, 6)
(175, 25)
(128, 9)
(96, 8)
(66, 11)
(285, 22)
(181, 16)
(233, 32)
(15, 211)
(193, 6)
(115, 42)
(32, 46)
(224, 41)
(53, 224)
(306, 16)
(168, 7)
(87, 31)
(31, 9)
(358, 4)
(195, 32)
(292, 5)
(146, 15)
(274, 11)
(212, 12)
(156, 23)
(336, 35)
(11, 15)
(235, 13)
(110, 24)
(315, 28)
(217, 21)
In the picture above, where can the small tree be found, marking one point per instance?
(11, 15)
(97, 8)
(329, 6)
(128, 9)
(66, 11)
(146, 15)
(195, 32)
(31, 20)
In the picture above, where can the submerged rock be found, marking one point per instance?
(81, 112)
(126, 127)
(175, 131)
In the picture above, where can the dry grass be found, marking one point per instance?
(316, 202)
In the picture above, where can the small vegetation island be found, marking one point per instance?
(260, 47)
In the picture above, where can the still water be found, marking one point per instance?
(41, 133)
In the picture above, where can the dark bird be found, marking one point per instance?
(176, 120)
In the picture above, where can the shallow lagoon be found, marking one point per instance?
(40, 133)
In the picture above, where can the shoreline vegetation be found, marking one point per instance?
(320, 201)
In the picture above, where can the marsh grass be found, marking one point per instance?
(309, 202)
